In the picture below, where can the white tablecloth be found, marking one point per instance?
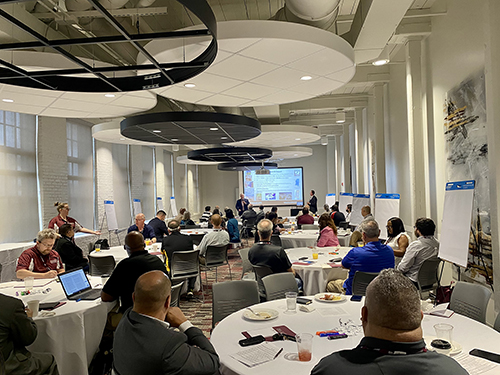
(119, 252)
(304, 238)
(467, 332)
(196, 231)
(317, 274)
(74, 333)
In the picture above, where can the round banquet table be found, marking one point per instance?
(317, 273)
(119, 252)
(468, 333)
(304, 238)
(196, 231)
(73, 334)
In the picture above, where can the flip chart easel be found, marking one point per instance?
(137, 207)
(330, 199)
(386, 206)
(344, 200)
(173, 208)
(457, 214)
(358, 201)
(110, 217)
(159, 204)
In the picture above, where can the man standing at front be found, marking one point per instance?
(373, 257)
(242, 204)
(426, 246)
(313, 202)
(122, 280)
(40, 261)
(393, 342)
(144, 343)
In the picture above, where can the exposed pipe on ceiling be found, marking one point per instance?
(318, 13)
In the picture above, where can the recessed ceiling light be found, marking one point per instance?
(189, 85)
(156, 131)
(295, 154)
(8, 100)
(306, 78)
(340, 117)
(174, 139)
(380, 62)
(214, 129)
(109, 95)
(122, 139)
(297, 139)
(223, 137)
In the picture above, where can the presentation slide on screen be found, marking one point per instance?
(283, 187)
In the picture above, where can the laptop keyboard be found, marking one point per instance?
(91, 294)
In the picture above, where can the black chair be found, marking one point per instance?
(276, 240)
(192, 226)
(260, 273)
(427, 277)
(197, 238)
(175, 293)
(361, 281)
(232, 296)
(215, 257)
(101, 265)
(344, 224)
(247, 227)
(184, 265)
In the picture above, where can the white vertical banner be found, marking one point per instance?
(330, 199)
(109, 208)
(159, 204)
(455, 230)
(386, 207)
(344, 200)
(358, 201)
(173, 206)
(137, 206)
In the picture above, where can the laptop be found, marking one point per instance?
(76, 286)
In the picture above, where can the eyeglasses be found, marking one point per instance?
(46, 245)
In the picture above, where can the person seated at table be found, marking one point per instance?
(143, 228)
(327, 231)
(186, 220)
(372, 257)
(71, 254)
(121, 283)
(393, 339)
(176, 241)
(232, 227)
(249, 216)
(206, 215)
(218, 237)
(180, 215)
(326, 208)
(424, 247)
(280, 221)
(18, 330)
(336, 215)
(40, 261)
(397, 238)
(145, 343)
(348, 209)
(261, 214)
(63, 218)
(366, 212)
(305, 218)
(158, 225)
(263, 253)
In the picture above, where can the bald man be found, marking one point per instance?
(393, 342)
(144, 342)
(143, 228)
(121, 283)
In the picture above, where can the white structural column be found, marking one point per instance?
(338, 167)
(360, 165)
(331, 165)
(347, 160)
(417, 146)
(160, 176)
(492, 70)
(379, 138)
(136, 173)
(104, 178)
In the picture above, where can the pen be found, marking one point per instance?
(78, 300)
(277, 354)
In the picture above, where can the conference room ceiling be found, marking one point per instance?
(75, 19)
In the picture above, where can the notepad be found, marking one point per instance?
(257, 354)
(474, 365)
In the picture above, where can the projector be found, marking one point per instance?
(262, 171)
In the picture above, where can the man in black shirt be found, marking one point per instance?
(158, 225)
(71, 254)
(122, 281)
(393, 342)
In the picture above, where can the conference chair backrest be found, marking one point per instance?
(277, 284)
(231, 296)
(497, 323)
(101, 265)
(361, 281)
(428, 273)
(276, 240)
(216, 256)
(184, 264)
(197, 238)
(246, 265)
(260, 273)
(175, 293)
(470, 300)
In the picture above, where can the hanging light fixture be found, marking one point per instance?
(324, 140)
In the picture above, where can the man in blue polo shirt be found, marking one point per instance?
(373, 257)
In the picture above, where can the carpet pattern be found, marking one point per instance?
(199, 313)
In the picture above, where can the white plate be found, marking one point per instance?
(318, 297)
(269, 314)
(456, 348)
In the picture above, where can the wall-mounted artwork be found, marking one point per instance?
(467, 159)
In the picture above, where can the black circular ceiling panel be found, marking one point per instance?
(104, 79)
(231, 154)
(246, 166)
(190, 128)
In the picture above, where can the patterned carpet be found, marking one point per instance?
(199, 313)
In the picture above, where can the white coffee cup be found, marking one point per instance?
(33, 306)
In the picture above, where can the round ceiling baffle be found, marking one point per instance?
(115, 78)
(246, 166)
(231, 154)
(190, 128)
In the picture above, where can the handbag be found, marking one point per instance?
(103, 242)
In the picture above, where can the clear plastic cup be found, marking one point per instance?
(291, 302)
(444, 332)
(97, 247)
(304, 346)
(28, 283)
(315, 253)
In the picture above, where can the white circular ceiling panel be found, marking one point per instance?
(281, 136)
(260, 63)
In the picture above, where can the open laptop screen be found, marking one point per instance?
(74, 281)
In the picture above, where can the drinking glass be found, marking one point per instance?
(28, 283)
(304, 346)
(291, 302)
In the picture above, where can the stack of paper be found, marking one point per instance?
(257, 354)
